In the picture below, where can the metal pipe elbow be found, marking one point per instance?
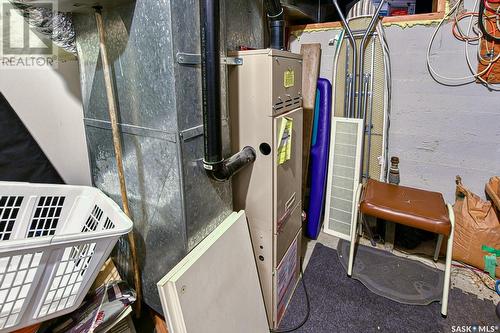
(225, 169)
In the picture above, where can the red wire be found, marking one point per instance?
(488, 7)
(454, 27)
(469, 267)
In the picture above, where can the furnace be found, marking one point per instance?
(265, 107)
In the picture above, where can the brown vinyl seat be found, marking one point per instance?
(405, 205)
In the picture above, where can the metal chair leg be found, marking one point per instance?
(354, 227)
(352, 246)
(438, 247)
(364, 222)
(447, 270)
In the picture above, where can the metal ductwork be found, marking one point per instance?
(173, 202)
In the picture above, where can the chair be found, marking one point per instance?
(411, 207)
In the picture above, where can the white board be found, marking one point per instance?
(215, 288)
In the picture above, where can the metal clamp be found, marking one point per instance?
(233, 61)
(195, 59)
(188, 58)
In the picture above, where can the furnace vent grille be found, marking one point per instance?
(288, 105)
(343, 175)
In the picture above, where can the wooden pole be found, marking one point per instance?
(108, 82)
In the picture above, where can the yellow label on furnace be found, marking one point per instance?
(289, 78)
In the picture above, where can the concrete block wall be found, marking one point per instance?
(438, 131)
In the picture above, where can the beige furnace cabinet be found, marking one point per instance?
(265, 104)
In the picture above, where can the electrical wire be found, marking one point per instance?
(468, 38)
(488, 51)
(308, 311)
(464, 265)
(497, 21)
(483, 29)
(387, 99)
(489, 64)
(477, 76)
(456, 30)
(429, 47)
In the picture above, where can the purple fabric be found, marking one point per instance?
(319, 160)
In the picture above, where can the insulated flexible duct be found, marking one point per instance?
(57, 26)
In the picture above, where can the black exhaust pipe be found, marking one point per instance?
(214, 163)
(276, 23)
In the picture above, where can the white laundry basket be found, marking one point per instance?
(53, 241)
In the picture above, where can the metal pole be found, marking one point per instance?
(108, 82)
(361, 110)
(367, 79)
(354, 59)
(362, 54)
(365, 111)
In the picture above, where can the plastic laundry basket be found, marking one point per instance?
(53, 241)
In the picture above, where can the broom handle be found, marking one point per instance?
(118, 152)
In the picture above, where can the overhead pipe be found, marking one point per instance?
(216, 166)
(276, 23)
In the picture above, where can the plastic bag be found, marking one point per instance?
(476, 224)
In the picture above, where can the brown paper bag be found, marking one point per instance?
(493, 191)
(476, 224)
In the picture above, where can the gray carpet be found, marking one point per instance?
(342, 304)
(400, 279)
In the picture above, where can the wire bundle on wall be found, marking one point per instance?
(481, 31)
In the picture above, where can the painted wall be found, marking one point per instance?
(48, 101)
(437, 131)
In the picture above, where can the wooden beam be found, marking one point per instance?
(441, 6)
(413, 18)
(316, 26)
(311, 54)
(438, 15)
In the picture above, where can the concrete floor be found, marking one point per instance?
(462, 278)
